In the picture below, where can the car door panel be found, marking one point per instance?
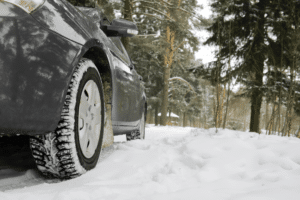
(125, 90)
(121, 91)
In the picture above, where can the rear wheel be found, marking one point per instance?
(74, 147)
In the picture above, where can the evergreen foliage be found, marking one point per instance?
(258, 44)
(165, 42)
(253, 32)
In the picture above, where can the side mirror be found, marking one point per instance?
(120, 28)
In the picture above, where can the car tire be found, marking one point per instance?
(74, 147)
(139, 133)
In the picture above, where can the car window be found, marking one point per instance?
(85, 3)
(117, 42)
(93, 13)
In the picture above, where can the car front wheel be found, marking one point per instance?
(74, 147)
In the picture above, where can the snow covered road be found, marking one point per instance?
(175, 163)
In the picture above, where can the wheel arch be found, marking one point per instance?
(99, 57)
(95, 51)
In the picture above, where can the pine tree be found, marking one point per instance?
(108, 8)
(127, 13)
(285, 24)
(247, 38)
(176, 34)
(164, 36)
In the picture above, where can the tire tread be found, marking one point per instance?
(55, 153)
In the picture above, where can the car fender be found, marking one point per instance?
(36, 65)
(82, 30)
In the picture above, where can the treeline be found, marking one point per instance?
(258, 43)
(163, 52)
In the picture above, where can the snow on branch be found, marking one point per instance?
(138, 1)
(169, 5)
(183, 80)
(159, 12)
(155, 16)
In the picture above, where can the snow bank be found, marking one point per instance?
(168, 115)
(175, 163)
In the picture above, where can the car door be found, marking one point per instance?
(139, 91)
(125, 92)
(138, 88)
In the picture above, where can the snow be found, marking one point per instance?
(175, 163)
(172, 115)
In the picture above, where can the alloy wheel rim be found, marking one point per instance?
(89, 119)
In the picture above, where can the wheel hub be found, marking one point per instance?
(89, 119)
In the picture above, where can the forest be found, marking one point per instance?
(257, 44)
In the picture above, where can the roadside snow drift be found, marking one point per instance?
(176, 163)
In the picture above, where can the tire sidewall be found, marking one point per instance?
(88, 163)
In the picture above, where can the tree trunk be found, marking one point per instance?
(255, 112)
(168, 60)
(165, 102)
(245, 117)
(280, 98)
(227, 104)
(280, 91)
(272, 119)
(214, 108)
(229, 68)
(218, 108)
(127, 14)
(184, 119)
(298, 133)
(257, 95)
(156, 114)
(256, 100)
(222, 105)
(169, 118)
(217, 122)
(289, 110)
(279, 112)
(267, 115)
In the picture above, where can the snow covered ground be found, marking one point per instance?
(176, 163)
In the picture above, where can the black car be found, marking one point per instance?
(67, 81)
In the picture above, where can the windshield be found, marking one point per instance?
(27, 5)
